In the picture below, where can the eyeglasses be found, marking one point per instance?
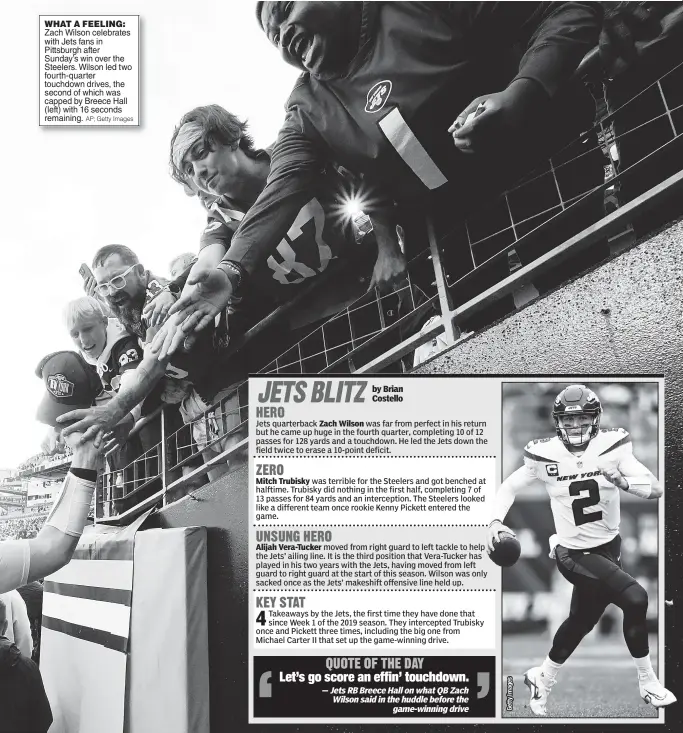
(118, 282)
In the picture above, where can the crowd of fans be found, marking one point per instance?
(276, 220)
(487, 92)
(21, 528)
(40, 461)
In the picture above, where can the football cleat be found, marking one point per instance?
(539, 689)
(577, 400)
(654, 693)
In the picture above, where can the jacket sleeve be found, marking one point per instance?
(564, 33)
(295, 170)
(41, 713)
(555, 36)
(21, 625)
(217, 232)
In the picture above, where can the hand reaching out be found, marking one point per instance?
(493, 121)
(156, 311)
(201, 303)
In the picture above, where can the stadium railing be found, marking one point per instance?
(379, 331)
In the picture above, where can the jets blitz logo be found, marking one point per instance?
(60, 386)
(377, 96)
(552, 469)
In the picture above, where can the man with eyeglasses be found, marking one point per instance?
(190, 378)
(133, 294)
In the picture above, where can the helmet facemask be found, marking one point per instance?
(579, 435)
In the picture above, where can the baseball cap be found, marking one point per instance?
(70, 384)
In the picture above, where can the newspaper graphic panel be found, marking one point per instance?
(372, 596)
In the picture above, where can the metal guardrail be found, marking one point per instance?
(379, 330)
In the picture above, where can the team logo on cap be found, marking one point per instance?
(377, 96)
(59, 386)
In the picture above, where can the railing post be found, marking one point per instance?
(99, 497)
(451, 331)
(163, 458)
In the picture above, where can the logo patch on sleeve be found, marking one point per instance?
(552, 470)
(377, 96)
(59, 385)
(213, 227)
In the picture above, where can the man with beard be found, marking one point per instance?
(132, 293)
(192, 377)
(393, 92)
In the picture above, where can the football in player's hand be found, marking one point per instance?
(506, 550)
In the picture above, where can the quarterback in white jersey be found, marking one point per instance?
(583, 469)
(585, 504)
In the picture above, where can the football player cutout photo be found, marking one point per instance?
(584, 469)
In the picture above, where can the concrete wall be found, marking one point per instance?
(624, 317)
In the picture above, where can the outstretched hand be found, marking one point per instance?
(206, 294)
(156, 311)
(492, 121)
(119, 435)
(389, 270)
(170, 337)
(94, 423)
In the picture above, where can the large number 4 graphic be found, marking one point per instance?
(283, 270)
(578, 505)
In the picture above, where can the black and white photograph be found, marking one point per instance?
(580, 504)
(196, 193)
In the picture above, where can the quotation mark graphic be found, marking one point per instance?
(265, 688)
(483, 683)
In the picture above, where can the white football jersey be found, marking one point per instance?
(585, 505)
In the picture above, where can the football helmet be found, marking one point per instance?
(577, 400)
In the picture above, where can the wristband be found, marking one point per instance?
(639, 486)
(172, 287)
(70, 512)
(154, 287)
(234, 273)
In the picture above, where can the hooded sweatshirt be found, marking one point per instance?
(121, 353)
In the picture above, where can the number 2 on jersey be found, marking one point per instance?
(578, 505)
